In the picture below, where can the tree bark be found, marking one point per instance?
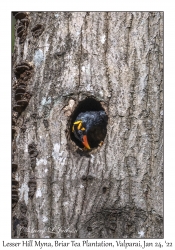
(114, 190)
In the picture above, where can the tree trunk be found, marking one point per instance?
(68, 62)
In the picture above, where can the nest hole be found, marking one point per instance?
(88, 104)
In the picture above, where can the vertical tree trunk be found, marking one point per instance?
(114, 190)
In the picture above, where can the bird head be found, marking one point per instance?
(80, 133)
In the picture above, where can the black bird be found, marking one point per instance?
(90, 128)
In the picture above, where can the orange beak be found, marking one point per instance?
(85, 142)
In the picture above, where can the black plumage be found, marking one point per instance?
(93, 126)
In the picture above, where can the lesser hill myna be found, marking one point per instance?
(90, 128)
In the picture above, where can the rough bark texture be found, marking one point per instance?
(115, 190)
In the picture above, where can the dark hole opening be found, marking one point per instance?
(96, 134)
(104, 189)
(89, 229)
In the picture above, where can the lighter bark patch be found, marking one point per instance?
(24, 192)
(38, 193)
(141, 233)
(57, 154)
(41, 161)
(45, 219)
(45, 102)
(68, 109)
(38, 57)
(103, 39)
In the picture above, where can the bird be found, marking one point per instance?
(90, 128)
